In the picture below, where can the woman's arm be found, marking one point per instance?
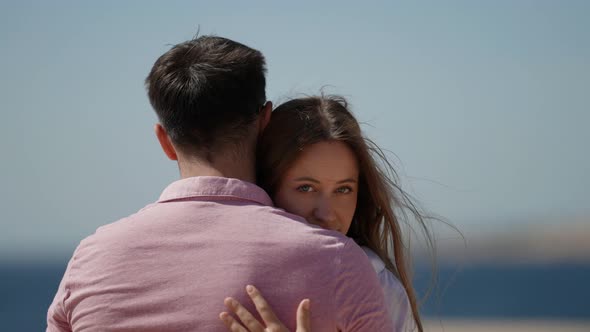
(251, 324)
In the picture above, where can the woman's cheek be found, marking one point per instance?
(293, 202)
(349, 205)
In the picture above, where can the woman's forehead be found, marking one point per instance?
(330, 161)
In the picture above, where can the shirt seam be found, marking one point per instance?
(339, 261)
(220, 195)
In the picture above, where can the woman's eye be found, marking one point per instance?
(305, 188)
(344, 190)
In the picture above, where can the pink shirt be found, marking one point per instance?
(169, 266)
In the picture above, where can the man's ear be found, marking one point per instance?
(264, 117)
(165, 142)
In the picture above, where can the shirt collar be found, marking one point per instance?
(213, 186)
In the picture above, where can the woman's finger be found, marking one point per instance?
(303, 319)
(247, 319)
(231, 324)
(268, 316)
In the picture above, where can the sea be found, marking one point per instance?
(551, 291)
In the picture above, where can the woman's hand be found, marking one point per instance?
(251, 324)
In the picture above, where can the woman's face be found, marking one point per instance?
(322, 186)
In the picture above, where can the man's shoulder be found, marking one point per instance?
(273, 228)
(293, 237)
(295, 228)
(117, 231)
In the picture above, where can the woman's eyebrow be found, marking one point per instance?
(309, 179)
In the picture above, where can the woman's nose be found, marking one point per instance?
(324, 212)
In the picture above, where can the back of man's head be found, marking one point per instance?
(207, 92)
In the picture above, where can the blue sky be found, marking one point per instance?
(484, 105)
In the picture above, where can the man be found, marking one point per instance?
(169, 266)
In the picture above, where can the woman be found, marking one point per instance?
(315, 162)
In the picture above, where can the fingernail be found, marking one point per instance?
(223, 316)
(250, 289)
(230, 302)
(306, 304)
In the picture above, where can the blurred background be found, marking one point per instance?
(482, 105)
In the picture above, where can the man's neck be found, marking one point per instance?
(222, 168)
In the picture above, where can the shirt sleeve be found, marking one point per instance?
(397, 301)
(358, 296)
(57, 317)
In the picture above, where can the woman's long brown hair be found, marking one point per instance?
(382, 204)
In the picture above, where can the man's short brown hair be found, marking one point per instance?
(207, 91)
